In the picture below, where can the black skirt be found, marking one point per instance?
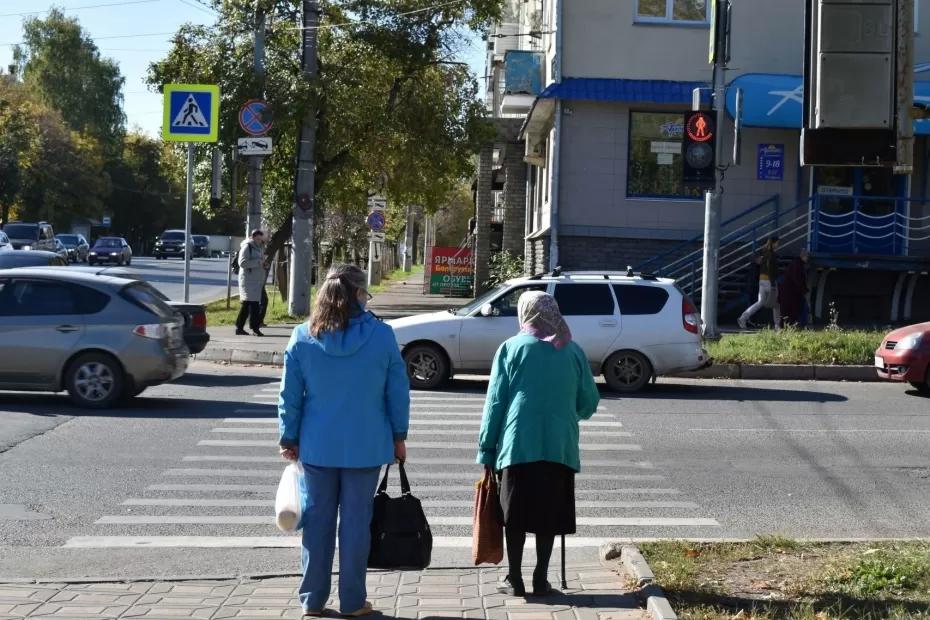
(539, 498)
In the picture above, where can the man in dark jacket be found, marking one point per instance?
(768, 287)
(792, 292)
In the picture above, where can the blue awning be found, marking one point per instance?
(775, 100)
(632, 91)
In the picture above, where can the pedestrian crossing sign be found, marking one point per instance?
(191, 112)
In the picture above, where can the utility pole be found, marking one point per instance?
(713, 200)
(408, 241)
(254, 220)
(298, 299)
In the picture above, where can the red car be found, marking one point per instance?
(904, 355)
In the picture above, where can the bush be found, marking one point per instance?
(504, 266)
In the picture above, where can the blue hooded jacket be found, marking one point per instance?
(345, 396)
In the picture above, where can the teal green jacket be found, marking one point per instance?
(536, 397)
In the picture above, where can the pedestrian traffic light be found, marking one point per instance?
(698, 150)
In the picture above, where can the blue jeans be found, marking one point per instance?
(349, 493)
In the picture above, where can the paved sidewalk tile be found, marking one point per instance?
(594, 593)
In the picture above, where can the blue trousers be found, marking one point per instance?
(347, 493)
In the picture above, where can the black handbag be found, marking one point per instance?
(400, 535)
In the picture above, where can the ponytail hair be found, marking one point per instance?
(337, 299)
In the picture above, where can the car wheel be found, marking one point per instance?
(627, 371)
(128, 261)
(94, 380)
(427, 367)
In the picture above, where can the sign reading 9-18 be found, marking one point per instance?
(698, 164)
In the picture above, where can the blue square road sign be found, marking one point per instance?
(191, 112)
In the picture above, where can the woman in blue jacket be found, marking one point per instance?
(541, 387)
(343, 411)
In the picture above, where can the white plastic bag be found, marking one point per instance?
(288, 504)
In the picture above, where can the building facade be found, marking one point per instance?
(601, 149)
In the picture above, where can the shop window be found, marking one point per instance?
(672, 11)
(654, 163)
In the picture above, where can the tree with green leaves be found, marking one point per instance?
(62, 63)
(396, 114)
(47, 170)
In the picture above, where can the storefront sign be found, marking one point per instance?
(665, 148)
(771, 162)
(450, 271)
(834, 190)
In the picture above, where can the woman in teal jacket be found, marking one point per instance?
(541, 387)
(343, 411)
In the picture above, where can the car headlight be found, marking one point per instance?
(26, 247)
(92, 253)
(908, 343)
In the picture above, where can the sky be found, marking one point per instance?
(134, 33)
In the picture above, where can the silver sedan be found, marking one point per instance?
(100, 338)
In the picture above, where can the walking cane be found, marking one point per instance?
(564, 580)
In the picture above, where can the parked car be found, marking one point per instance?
(195, 315)
(170, 243)
(5, 244)
(110, 250)
(632, 328)
(31, 235)
(77, 247)
(38, 258)
(201, 245)
(100, 338)
(904, 355)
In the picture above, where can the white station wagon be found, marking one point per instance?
(632, 327)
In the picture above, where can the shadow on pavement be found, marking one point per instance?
(214, 380)
(673, 391)
(50, 405)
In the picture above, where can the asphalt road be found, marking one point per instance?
(208, 277)
(182, 483)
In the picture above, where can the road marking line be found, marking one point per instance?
(807, 430)
(253, 411)
(268, 542)
(263, 503)
(257, 443)
(413, 433)
(434, 521)
(421, 489)
(193, 502)
(233, 458)
(204, 458)
(276, 473)
(427, 422)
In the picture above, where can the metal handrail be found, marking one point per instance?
(775, 198)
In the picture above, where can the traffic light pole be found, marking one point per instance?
(713, 200)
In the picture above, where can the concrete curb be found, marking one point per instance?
(657, 604)
(636, 564)
(755, 372)
(785, 372)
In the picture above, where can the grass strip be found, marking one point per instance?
(775, 578)
(794, 346)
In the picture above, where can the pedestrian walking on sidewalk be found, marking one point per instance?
(768, 285)
(541, 387)
(251, 260)
(343, 410)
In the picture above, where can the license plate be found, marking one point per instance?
(879, 362)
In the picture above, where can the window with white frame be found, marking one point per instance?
(673, 11)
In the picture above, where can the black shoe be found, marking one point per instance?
(241, 332)
(542, 588)
(263, 325)
(512, 587)
(257, 332)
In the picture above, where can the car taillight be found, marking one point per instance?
(155, 331)
(690, 318)
(199, 320)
